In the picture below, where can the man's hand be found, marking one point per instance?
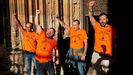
(56, 18)
(57, 62)
(83, 58)
(14, 14)
(37, 12)
(91, 3)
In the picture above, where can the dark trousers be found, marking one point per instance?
(44, 68)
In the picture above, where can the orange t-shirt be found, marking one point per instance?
(103, 39)
(29, 41)
(77, 38)
(45, 47)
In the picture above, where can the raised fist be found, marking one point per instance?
(37, 11)
(91, 3)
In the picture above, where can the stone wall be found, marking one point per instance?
(100, 6)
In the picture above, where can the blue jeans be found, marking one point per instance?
(29, 57)
(76, 59)
(44, 68)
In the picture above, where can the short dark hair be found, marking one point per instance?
(103, 14)
(76, 20)
(53, 30)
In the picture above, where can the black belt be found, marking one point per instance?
(29, 52)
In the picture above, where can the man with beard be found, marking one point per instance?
(45, 46)
(103, 42)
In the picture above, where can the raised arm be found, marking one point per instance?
(62, 23)
(18, 24)
(37, 24)
(92, 19)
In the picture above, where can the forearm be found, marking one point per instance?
(57, 54)
(17, 21)
(56, 57)
(18, 24)
(37, 24)
(90, 13)
(62, 23)
(85, 47)
(36, 19)
(92, 19)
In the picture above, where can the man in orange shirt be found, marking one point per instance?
(44, 52)
(29, 43)
(78, 45)
(103, 41)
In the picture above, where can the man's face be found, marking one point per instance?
(50, 32)
(103, 20)
(75, 25)
(28, 27)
